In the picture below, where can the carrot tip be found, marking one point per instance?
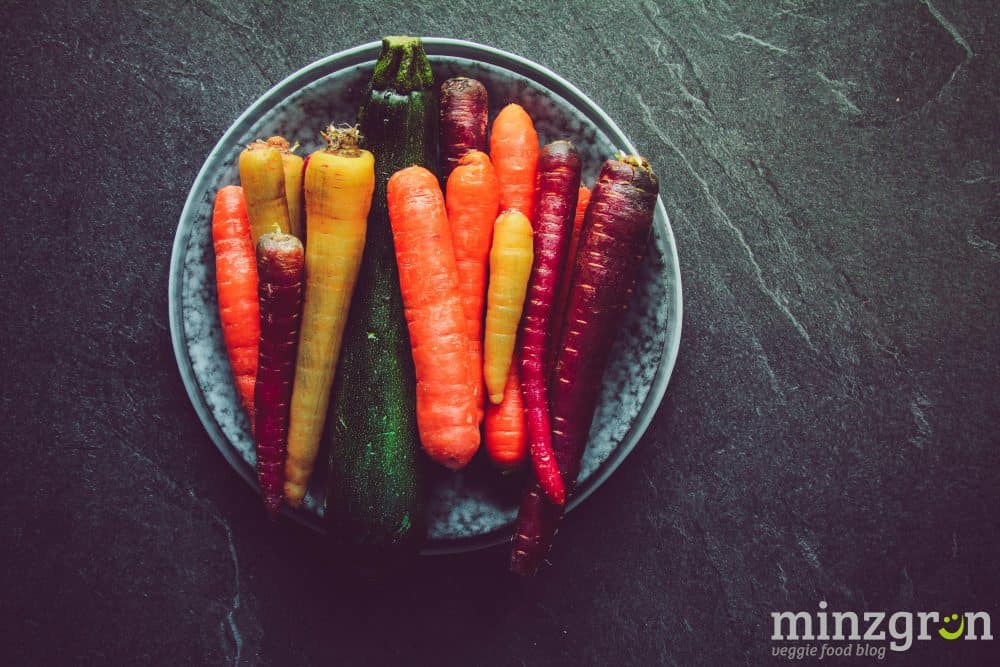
(455, 461)
(523, 566)
(551, 483)
(293, 495)
(272, 504)
(557, 496)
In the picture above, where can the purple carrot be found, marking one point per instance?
(464, 109)
(555, 197)
(280, 263)
(613, 242)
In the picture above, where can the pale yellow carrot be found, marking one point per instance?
(339, 182)
(262, 176)
(511, 257)
(292, 165)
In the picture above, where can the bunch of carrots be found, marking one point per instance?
(284, 304)
(513, 275)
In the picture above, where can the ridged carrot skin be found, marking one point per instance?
(473, 200)
(294, 168)
(559, 310)
(511, 258)
(262, 175)
(236, 282)
(514, 152)
(505, 435)
(613, 242)
(556, 193)
(280, 266)
(428, 279)
(464, 110)
(338, 191)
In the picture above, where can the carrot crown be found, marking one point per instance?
(278, 142)
(636, 161)
(402, 66)
(260, 144)
(645, 179)
(342, 140)
(282, 144)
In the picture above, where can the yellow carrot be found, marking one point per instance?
(339, 182)
(510, 266)
(292, 166)
(262, 176)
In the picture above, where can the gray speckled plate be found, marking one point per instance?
(473, 508)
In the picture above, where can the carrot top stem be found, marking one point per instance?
(343, 140)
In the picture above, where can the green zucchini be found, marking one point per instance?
(375, 494)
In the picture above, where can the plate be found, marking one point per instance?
(475, 507)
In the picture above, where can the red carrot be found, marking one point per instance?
(559, 309)
(472, 200)
(613, 241)
(428, 280)
(556, 193)
(280, 265)
(464, 108)
(236, 280)
(514, 151)
(537, 523)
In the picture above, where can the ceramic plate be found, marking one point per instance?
(475, 507)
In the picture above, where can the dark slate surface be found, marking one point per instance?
(830, 431)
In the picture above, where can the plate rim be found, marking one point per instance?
(435, 46)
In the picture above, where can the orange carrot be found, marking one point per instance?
(506, 435)
(472, 199)
(236, 280)
(559, 309)
(429, 283)
(514, 151)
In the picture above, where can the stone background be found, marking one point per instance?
(830, 432)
